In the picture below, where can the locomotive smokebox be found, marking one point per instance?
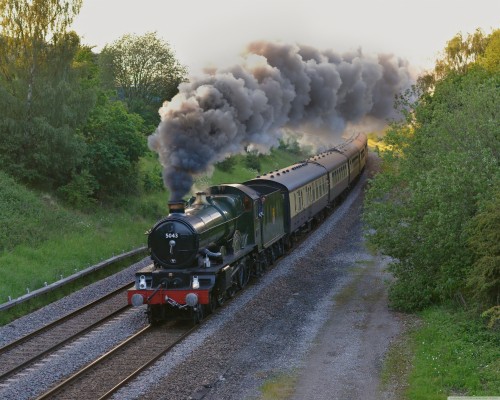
(176, 207)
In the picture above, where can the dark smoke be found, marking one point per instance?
(279, 86)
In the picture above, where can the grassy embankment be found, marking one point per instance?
(42, 240)
(450, 352)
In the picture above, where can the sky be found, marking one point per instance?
(214, 33)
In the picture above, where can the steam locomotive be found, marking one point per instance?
(208, 248)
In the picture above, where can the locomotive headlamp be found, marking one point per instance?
(196, 282)
(191, 299)
(137, 300)
(142, 282)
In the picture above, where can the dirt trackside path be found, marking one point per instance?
(345, 361)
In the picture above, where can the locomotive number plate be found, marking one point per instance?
(171, 235)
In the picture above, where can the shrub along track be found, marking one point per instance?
(19, 355)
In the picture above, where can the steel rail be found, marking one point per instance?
(121, 384)
(58, 322)
(59, 387)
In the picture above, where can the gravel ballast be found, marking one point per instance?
(36, 320)
(31, 383)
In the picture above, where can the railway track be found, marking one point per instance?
(103, 377)
(21, 354)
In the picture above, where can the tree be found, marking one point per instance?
(490, 59)
(442, 161)
(39, 141)
(144, 71)
(27, 28)
(47, 87)
(484, 240)
(461, 52)
(114, 145)
(228, 164)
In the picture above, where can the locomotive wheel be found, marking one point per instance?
(263, 263)
(270, 256)
(243, 275)
(211, 306)
(220, 298)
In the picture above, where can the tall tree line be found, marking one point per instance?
(435, 206)
(71, 122)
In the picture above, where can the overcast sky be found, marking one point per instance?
(214, 32)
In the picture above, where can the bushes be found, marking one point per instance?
(483, 278)
(434, 175)
(227, 164)
(252, 161)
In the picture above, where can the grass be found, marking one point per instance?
(101, 237)
(452, 353)
(42, 240)
(455, 354)
(279, 387)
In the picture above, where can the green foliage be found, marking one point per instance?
(39, 141)
(252, 160)
(144, 71)
(114, 145)
(492, 317)
(290, 144)
(151, 173)
(438, 167)
(490, 59)
(40, 239)
(454, 354)
(79, 192)
(484, 240)
(227, 164)
(26, 217)
(461, 52)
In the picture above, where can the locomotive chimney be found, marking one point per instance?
(176, 207)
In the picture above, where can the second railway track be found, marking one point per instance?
(104, 376)
(20, 354)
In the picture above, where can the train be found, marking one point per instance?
(208, 248)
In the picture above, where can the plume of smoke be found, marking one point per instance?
(277, 86)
